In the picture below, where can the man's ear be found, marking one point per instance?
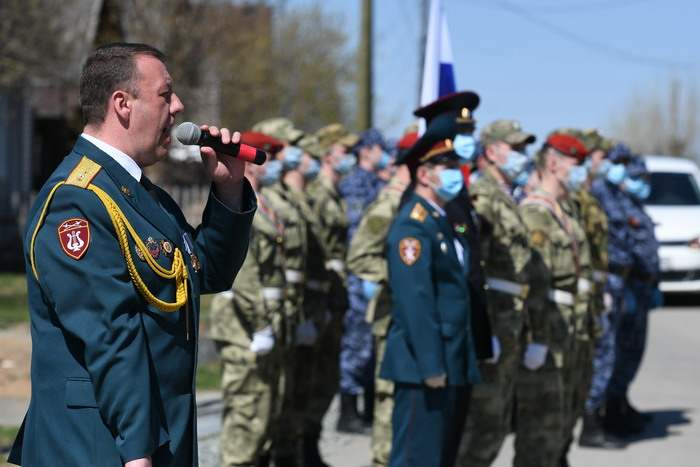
(121, 102)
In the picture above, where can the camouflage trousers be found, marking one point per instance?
(325, 374)
(540, 416)
(251, 390)
(357, 349)
(383, 408)
(577, 382)
(491, 408)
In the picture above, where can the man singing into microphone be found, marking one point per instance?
(115, 273)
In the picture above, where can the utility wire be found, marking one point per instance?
(607, 50)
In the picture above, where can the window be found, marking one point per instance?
(673, 189)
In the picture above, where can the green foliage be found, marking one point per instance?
(13, 299)
(209, 376)
(7, 436)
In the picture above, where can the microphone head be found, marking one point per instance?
(188, 133)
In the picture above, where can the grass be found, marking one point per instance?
(13, 299)
(209, 376)
(7, 436)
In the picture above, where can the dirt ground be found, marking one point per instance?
(15, 356)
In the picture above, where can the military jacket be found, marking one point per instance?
(645, 247)
(256, 299)
(430, 332)
(367, 252)
(286, 204)
(359, 189)
(112, 374)
(555, 239)
(506, 253)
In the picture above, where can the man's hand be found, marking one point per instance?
(225, 171)
(436, 382)
(496, 348)
(143, 462)
(535, 356)
(263, 341)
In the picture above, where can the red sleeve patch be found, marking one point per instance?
(74, 236)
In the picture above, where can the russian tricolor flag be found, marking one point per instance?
(438, 70)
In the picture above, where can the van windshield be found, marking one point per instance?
(673, 189)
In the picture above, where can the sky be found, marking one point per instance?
(546, 63)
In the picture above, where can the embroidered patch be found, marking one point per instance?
(409, 250)
(74, 236)
(537, 238)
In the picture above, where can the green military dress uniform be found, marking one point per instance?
(367, 260)
(329, 212)
(556, 239)
(251, 383)
(285, 203)
(114, 279)
(506, 254)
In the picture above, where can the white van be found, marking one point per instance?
(674, 206)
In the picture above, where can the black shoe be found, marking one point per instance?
(286, 461)
(368, 407)
(349, 420)
(619, 420)
(309, 453)
(594, 436)
(645, 417)
(563, 461)
(263, 461)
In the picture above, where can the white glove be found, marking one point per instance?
(496, 347)
(607, 302)
(535, 356)
(436, 382)
(305, 333)
(263, 341)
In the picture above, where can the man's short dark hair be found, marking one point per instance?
(109, 68)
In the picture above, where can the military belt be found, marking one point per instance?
(293, 276)
(584, 285)
(509, 287)
(318, 286)
(600, 276)
(273, 293)
(337, 265)
(562, 297)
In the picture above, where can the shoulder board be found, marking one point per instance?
(418, 212)
(83, 173)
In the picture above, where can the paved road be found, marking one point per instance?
(668, 386)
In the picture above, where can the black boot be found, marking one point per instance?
(594, 436)
(309, 453)
(263, 461)
(564, 459)
(286, 461)
(619, 420)
(350, 421)
(368, 409)
(645, 417)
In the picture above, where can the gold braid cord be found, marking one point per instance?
(178, 271)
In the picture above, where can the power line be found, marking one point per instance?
(602, 48)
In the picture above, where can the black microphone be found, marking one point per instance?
(189, 133)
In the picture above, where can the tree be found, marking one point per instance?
(664, 120)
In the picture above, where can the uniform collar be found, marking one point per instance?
(120, 157)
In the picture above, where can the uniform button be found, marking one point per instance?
(482, 263)
(486, 286)
(279, 240)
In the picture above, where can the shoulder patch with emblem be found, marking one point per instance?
(409, 250)
(74, 237)
(377, 224)
(419, 213)
(538, 237)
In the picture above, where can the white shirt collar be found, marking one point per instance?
(121, 158)
(436, 207)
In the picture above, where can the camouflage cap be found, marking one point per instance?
(620, 153)
(310, 145)
(279, 128)
(336, 133)
(508, 131)
(371, 137)
(637, 167)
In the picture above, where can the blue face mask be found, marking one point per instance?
(292, 157)
(514, 165)
(522, 178)
(616, 174)
(313, 170)
(577, 176)
(603, 168)
(465, 146)
(451, 183)
(384, 161)
(273, 171)
(346, 164)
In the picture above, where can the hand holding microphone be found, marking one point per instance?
(189, 133)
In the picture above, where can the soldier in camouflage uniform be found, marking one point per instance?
(506, 253)
(247, 324)
(641, 289)
(367, 260)
(330, 214)
(556, 240)
(284, 197)
(359, 189)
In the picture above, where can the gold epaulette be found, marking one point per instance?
(419, 213)
(83, 173)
